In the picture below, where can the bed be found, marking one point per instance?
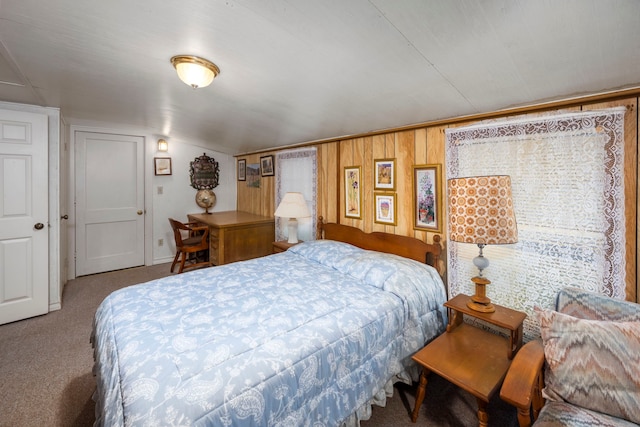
(308, 337)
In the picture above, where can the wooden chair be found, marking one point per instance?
(189, 248)
(523, 387)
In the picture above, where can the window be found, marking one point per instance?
(567, 181)
(296, 170)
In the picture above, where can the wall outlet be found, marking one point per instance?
(160, 242)
(160, 189)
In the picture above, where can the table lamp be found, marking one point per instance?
(481, 212)
(293, 206)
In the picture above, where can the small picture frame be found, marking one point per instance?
(162, 165)
(266, 165)
(384, 171)
(242, 169)
(253, 175)
(386, 209)
(352, 192)
(427, 198)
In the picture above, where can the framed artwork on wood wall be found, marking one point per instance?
(384, 171)
(427, 198)
(242, 170)
(385, 205)
(253, 175)
(352, 192)
(266, 165)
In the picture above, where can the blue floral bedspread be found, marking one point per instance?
(300, 338)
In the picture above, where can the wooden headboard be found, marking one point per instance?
(404, 246)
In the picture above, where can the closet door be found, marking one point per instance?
(109, 202)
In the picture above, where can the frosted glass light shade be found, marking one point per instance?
(163, 145)
(195, 71)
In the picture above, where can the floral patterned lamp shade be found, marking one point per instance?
(481, 212)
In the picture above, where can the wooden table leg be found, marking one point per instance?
(483, 417)
(420, 394)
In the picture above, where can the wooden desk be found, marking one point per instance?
(471, 358)
(237, 235)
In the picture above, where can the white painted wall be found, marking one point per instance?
(178, 197)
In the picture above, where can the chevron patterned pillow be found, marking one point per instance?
(592, 364)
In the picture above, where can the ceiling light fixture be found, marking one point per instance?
(195, 71)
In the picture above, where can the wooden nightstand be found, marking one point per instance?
(471, 358)
(283, 245)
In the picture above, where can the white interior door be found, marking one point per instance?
(24, 211)
(109, 202)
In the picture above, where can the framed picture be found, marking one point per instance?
(242, 170)
(162, 165)
(427, 198)
(385, 174)
(266, 165)
(352, 192)
(385, 204)
(253, 175)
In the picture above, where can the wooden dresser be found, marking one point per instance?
(237, 235)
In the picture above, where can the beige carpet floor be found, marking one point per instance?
(46, 362)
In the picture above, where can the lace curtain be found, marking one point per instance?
(567, 182)
(296, 171)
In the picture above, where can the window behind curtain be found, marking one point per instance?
(296, 171)
(567, 181)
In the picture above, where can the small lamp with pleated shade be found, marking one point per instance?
(293, 206)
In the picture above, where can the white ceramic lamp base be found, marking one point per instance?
(293, 230)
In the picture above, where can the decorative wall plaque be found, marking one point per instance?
(204, 173)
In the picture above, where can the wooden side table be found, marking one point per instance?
(471, 358)
(283, 245)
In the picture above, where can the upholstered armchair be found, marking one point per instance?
(585, 369)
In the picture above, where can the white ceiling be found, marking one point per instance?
(294, 71)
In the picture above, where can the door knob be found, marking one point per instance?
(64, 217)
(139, 212)
(39, 226)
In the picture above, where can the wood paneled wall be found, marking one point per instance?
(259, 201)
(408, 148)
(425, 144)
